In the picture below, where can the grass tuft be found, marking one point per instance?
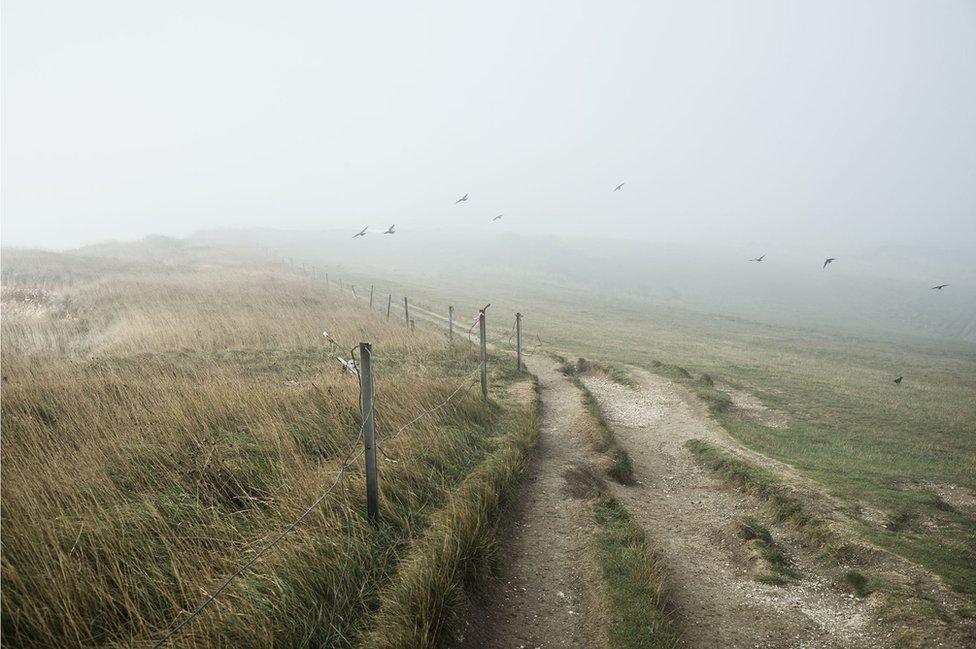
(602, 438)
(773, 566)
(634, 585)
(425, 598)
(858, 583)
(582, 366)
(764, 485)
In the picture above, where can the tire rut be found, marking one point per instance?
(538, 598)
(690, 519)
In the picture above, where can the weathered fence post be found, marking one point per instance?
(484, 355)
(369, 434)
(450, 323)
(389, 303)
(518, 341)
(353, 286)
(371, 297)
(413, 324)
(406, 310)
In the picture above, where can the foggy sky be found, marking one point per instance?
(766, 122)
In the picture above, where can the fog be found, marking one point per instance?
(766, 125)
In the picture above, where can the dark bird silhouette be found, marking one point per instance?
(497, 218)
(390, 230)
(898, 380)
(828, 260)
(617, 188)
(939, 287)
(461, 200)
(759, 258)
(361, 233)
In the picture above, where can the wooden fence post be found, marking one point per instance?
(406, 310)
(484, 355)
(450, 323)
(518, 341)
(371, 297)
(369, 434)
(389, 303)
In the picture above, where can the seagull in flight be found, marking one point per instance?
(617, 188)
(461, 200)
(939, 287)
(898, 380)
(759, 258)
(361, 233)
(827, 261)
(390, 230)
(497, 218)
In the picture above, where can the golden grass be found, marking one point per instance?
(161, 421)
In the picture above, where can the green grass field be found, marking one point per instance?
(877, 445)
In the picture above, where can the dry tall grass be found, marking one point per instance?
(163, 417)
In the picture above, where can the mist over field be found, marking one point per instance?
(838, 123)
(623, 325)
(870, 289)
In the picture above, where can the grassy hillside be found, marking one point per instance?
(167, 410)
(902, 456)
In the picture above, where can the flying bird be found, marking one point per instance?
(361, 233)
(898, 380)
(939, 287)
(461, 200)
(390, 230)
(617, 188)
(759, 258)
(497, 218)
(827, 261)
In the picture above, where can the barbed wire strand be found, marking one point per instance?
(277, 539)
(350, 456)
(464, 381)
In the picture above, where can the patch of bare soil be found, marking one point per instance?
(750, 407)
(960, 498)
(688, 515)
(539, 597)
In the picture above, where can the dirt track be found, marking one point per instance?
(690, 518)
(537, 601)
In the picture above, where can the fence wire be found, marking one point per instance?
(350, 456)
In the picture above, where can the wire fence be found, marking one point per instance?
(350, 455)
